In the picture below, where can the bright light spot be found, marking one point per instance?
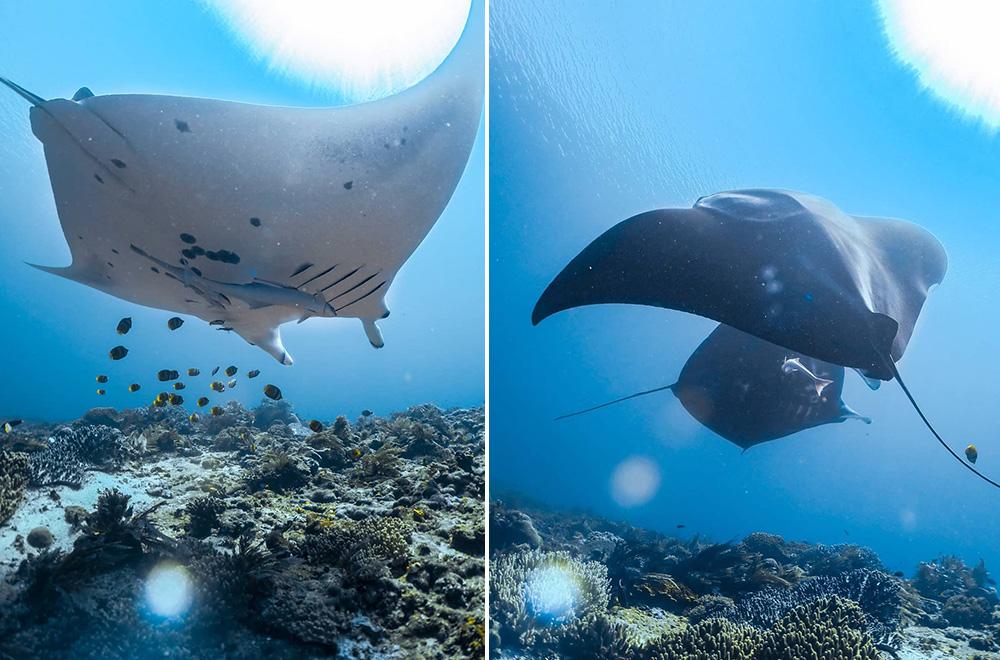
(168, 590)
(551, 594)
(635, 481)
(362, 49)
(954, 49)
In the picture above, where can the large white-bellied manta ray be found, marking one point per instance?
(787, 267)
(251, 216)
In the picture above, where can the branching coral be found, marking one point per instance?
(829, 627)
(535, 595)
(363, 548)
(712, 639)
(876, 593)
(70, 451)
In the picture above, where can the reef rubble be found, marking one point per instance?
(573, 585)
(141, 533)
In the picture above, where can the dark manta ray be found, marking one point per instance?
(750, 391)
(788, 267)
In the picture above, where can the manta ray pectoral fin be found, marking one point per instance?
(33, 99)
(267, 337)
(846, 412)
(872, 383)
(71, 272)
(373, 333)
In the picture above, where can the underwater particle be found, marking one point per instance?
(175, 322)
(231, 371)
(193, 372)
(272, 392)
(217, 386)
(100, 392)
(366, 413)
(175, 399)
(635, 481)
(316, 426)
(179, 385)
(231, 384)
(253, 373)
(215, 371)
(168, 590)
(216, 410)
(193, 418)
(202, 401)
(134, 387)
(167, 374)
(118, 352)
(102, 378)
(124, 325)
(971, 453)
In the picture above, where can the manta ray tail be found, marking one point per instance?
(33, 99)
(906, 391)
(611, 403)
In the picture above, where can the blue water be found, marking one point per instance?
(56, 334)
(603, 110)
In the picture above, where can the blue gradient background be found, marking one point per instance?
(603, 110)
(55, 334)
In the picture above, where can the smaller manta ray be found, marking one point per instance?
(750, 391)
(251, 216)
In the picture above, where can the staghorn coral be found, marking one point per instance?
(712, 639)
(829, 627)
(535, 595)
(13, 481)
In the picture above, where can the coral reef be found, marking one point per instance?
(292, 544)
(760, 598)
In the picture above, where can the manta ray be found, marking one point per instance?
(250, 216)
(787, 267)
(750, 391)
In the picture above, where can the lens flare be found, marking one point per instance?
(361, 49)
(635, 481)
(551, 594)
(168, 590)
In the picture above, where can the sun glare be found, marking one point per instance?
(360, 50)
(953, 48)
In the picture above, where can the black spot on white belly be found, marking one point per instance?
(348, 185)
(189, 239)
(99, 179)
(255, 222)
(182, 126)
(120, 164)
(225, 256)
